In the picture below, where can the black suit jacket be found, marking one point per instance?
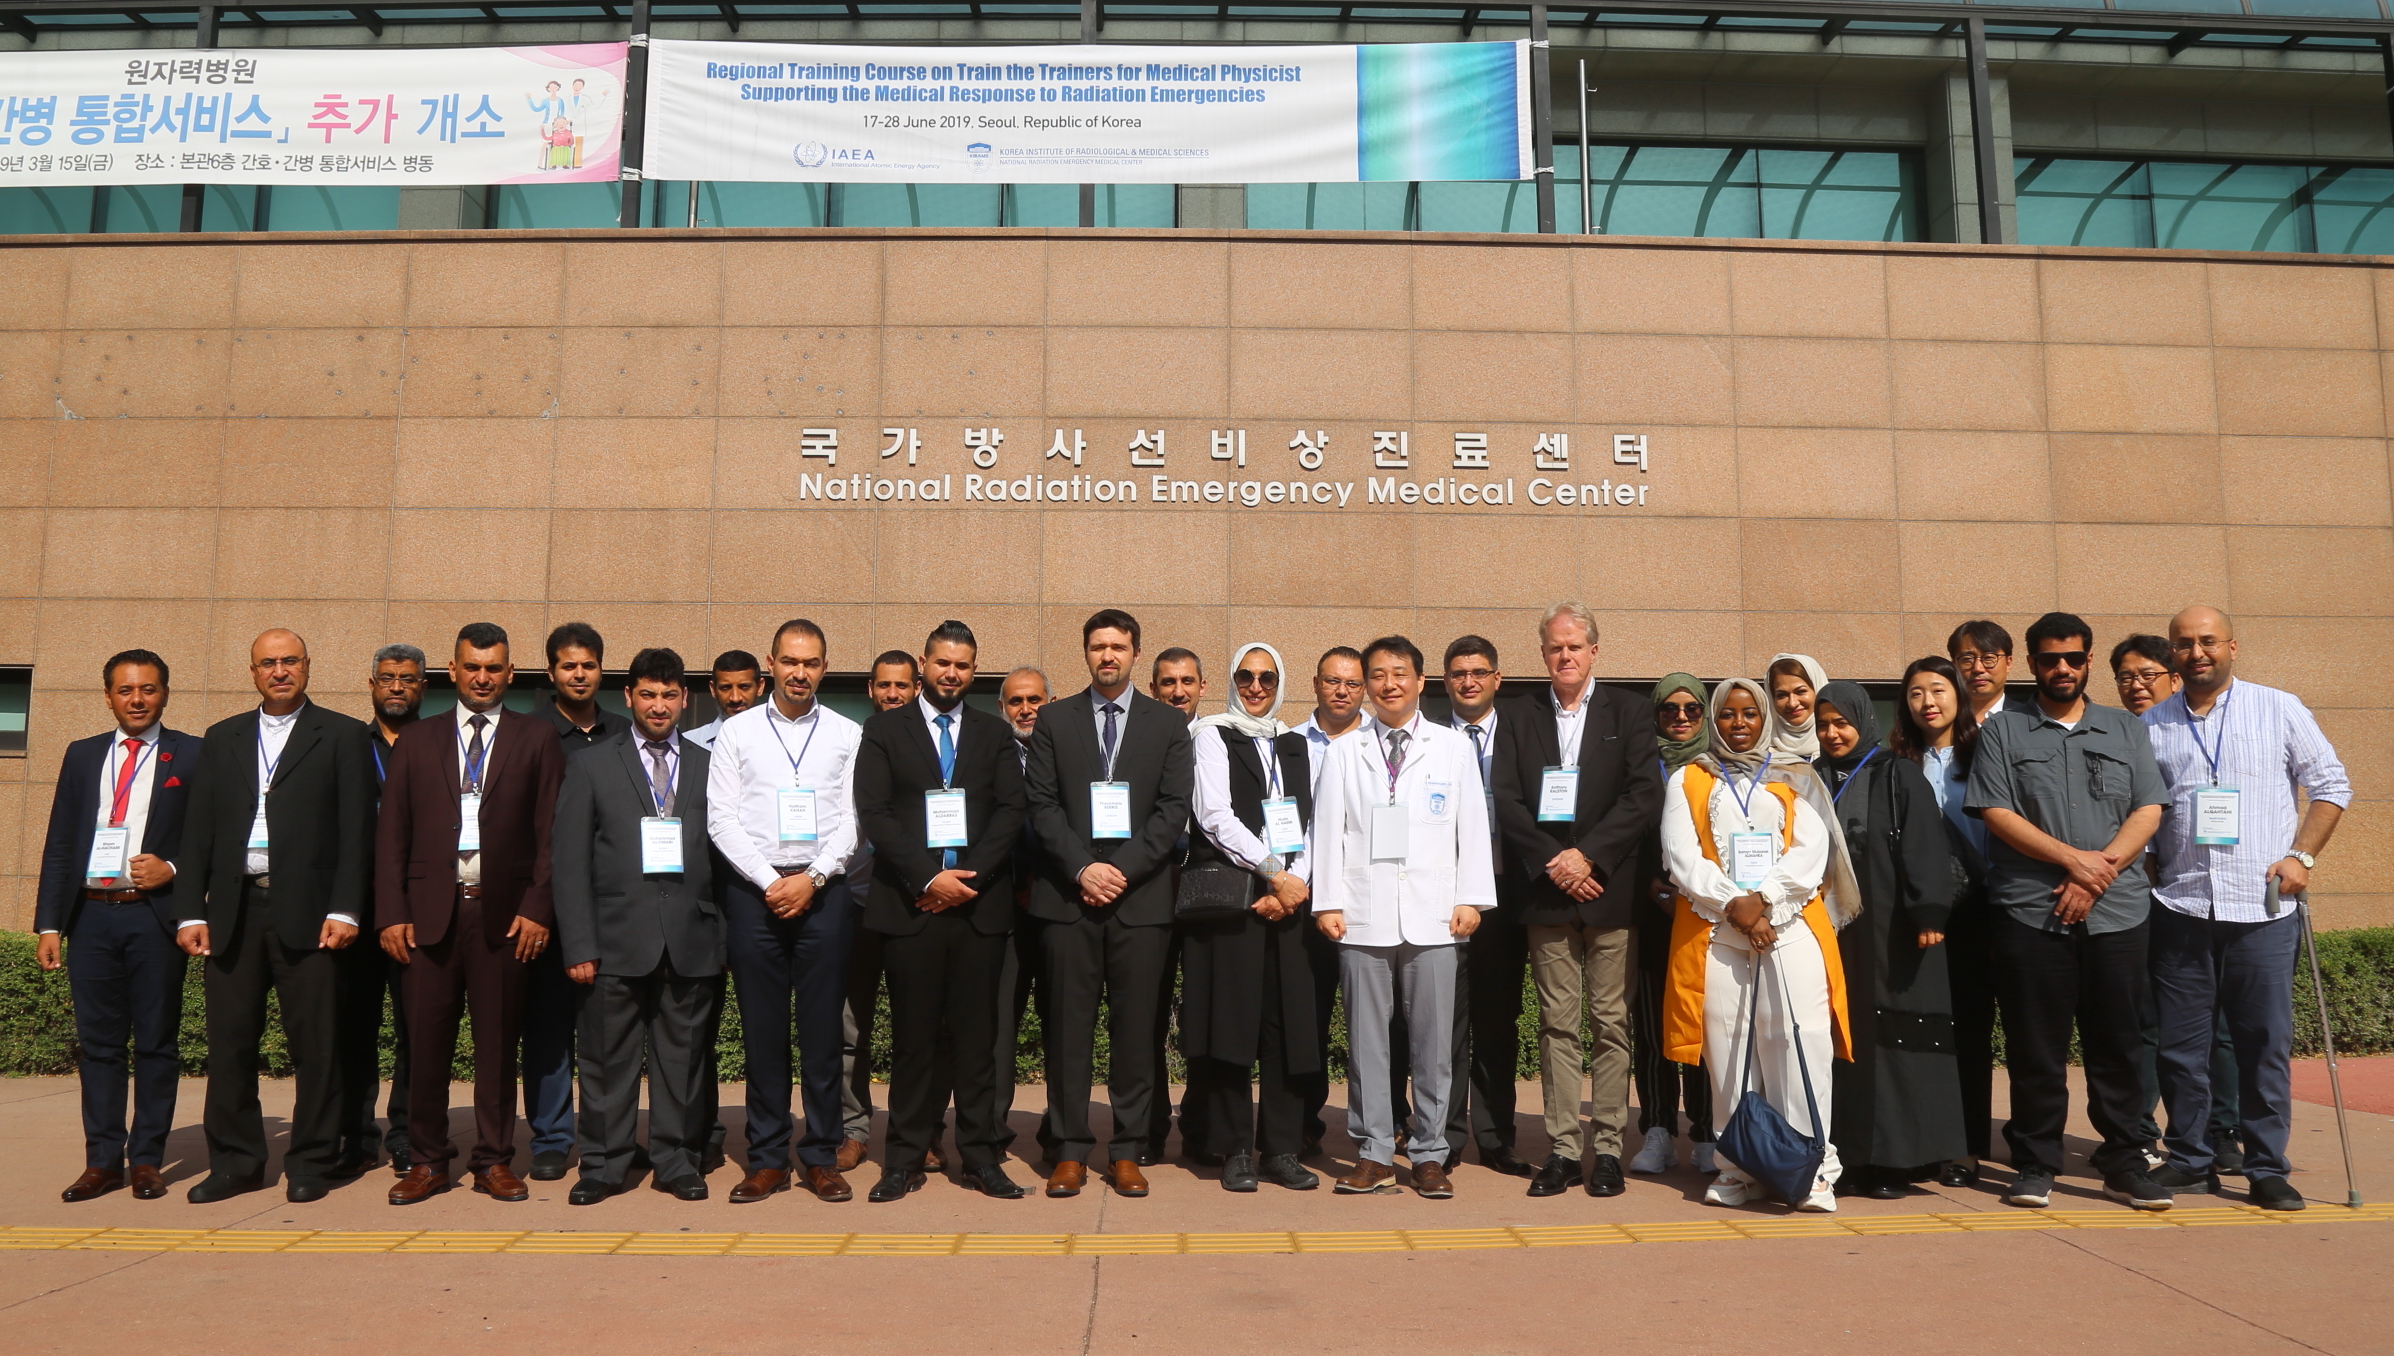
(319, 820)
(415, 842)
(1620, 802)
(607, 910)
(74, 816)
(896, 763)
(1155, 759)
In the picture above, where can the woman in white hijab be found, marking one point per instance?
(1247, 995)
(1751, 839)
(1795, 681)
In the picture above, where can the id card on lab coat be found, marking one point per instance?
(1388, 832)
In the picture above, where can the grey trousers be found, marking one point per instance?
(666, 1018)
(1375, 980)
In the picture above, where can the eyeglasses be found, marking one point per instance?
(398, 680)
(2068, 659)
(1341, 684)
(2190, 644)
(2147, 679)
(1469, 675)
(1972, 659)
(1255, 678)
(1683, 710)
(280, 661)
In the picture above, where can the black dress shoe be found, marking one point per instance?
(1285, 1170)
(894, 1186)
(1506, 1162)
(1958, 1175)
(2227, 1158)
(300, 1193)
(1150, 1156)
(218, 1186)
(1238, 1173)
(1555, 1177)
(547, 1167)
(691, 1188)
(993, 1181)
(401, 1161)
(1878, 1184)
(590, 1191)
(1604, 1176)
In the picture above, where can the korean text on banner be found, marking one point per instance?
(273, 115)
(779, 112)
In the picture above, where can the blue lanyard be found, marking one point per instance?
(473, 766)
(1849, 777)
(816, 715)
(266, 776)
(2211, 755)
(673, 767)
(1745, 799)
(375, 745)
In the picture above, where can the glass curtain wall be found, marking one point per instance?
(738, 204)
(2197, 205)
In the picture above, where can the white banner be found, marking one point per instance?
(285, 115)
(783, 112)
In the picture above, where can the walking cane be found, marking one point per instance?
(2327, 1038)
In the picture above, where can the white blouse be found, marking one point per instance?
(1209, 801)
(1791, 884)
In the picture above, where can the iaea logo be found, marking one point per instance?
(810, 153)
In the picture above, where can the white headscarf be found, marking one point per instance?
(1798, 741)
(1840, 892)
(1265, 726)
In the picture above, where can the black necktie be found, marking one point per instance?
(1111, 711)
(474, 751)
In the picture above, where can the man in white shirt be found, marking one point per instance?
(1337, 713)
(2235, 855)
(1402, 870)
(780, 810)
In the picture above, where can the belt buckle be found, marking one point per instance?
(262, 882)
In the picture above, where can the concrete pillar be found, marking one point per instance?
(444, 209)
(1951, 189)
(1214, 206)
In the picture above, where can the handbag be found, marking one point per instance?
(1757, 1138)
(1212, 891)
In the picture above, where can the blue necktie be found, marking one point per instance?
(947, 770)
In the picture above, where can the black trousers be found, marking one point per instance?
(1268, 1122)
(1494, 960)
(866, 965)
(246, 966)
(467, 969)
(1970, 963)
(1092, 960)
(1192, 1111)
(942, 1014)
(1321, 956)
(1663, 1085)
(365, 975)
(125, 974)
(791, 969)
(2047, 982)
(1019, 986)
(663, 1019)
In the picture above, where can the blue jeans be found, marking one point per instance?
(552, 1005)
(2204, 969)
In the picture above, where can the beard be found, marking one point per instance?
(2061, 688)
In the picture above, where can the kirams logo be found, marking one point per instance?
(979, 156)
(811, 154)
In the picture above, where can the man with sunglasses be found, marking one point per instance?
(2070, 795)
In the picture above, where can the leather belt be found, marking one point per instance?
(258, 882)
(465, 891)
(791, 870)
(115, 896)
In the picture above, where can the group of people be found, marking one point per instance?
(1756, 905)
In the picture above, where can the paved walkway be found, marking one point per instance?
(1191, 1268)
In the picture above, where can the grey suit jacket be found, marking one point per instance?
(607, 911)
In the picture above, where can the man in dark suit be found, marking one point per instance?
(1110, 776)
(396, 689)
(1019, 697)
(273, 867)
(1578, 788)
(114, 819)
(461, 897)
(638, 924)
(939, 795)
(577, 657)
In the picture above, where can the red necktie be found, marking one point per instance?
(124, 783)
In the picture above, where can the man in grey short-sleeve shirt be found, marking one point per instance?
(2070, 795)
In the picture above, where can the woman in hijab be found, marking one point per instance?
(1246, 988)
(1751, 841)
(1795, 681)
(1680, 735)
(1899, 1103)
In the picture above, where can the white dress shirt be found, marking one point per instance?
(1317, 748)
(1487, 751)
(469, 864)
(1210, 803)
(274, 735)
(137, 798)
(704, 735)
(760, 752)
(1447, 860)
(1792, 882)
(1569, 726)
(2267, 745)
(1097, 712)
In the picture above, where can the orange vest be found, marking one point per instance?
(1691, 936)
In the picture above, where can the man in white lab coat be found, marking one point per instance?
(1402, 871)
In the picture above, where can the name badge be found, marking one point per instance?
(469, 822)
(796, 809)
(660, 846)
(1388, 833)
(1284, 828)
(1109, 810)
(1558, 795)
(257, 828)
(1751, 857)
(109, 847)
(943, 819)
(2218, 819)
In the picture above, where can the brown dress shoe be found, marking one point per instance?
(501, 1184)
(148, 1183)
(1369, 1178)
(1430, 1180)
(932, 1162)
(1067, 1179)
(1128, 1180)
(760, 1184)
(422, 1182)
(828, 1185)
(851, 1154)
(93, 1184)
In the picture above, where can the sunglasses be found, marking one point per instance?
(1684, 710)
(1251, 678)
(2069, 659)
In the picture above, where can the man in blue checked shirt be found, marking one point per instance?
(2235, 850)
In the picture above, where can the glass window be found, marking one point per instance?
(2083, 202)
(16, 698)
(2177, 204)
(2229, 207)
(305, 207)
(736, 204)
(1492, 207)
(143, 208)
(1332, 207)
(1838, 195)
(915, 205)
(1675, 190)
(559, 205)
(45, 211)
(2352, 210)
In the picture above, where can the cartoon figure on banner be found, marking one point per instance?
(549, 106)
(565, 149)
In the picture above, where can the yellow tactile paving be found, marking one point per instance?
(681, 1244)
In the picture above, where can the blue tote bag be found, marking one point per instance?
(1758, 1139)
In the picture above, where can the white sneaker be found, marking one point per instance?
(1700, 1155)
(1822, 1201)
(1656, 1156)
(1726, 1190)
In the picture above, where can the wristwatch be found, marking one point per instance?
(817, 877)
(2310, 863)
(1271, 866)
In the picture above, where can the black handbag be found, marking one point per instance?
(1757, 1138)
(1214, 890)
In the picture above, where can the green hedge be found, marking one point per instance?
(37, 1022)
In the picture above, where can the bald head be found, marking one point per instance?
(2203, 647)
(2198, 620)
(278, 664)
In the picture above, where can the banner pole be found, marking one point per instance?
(635, 113)
(1587, 182)
(195, 196)
(1541, 75)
